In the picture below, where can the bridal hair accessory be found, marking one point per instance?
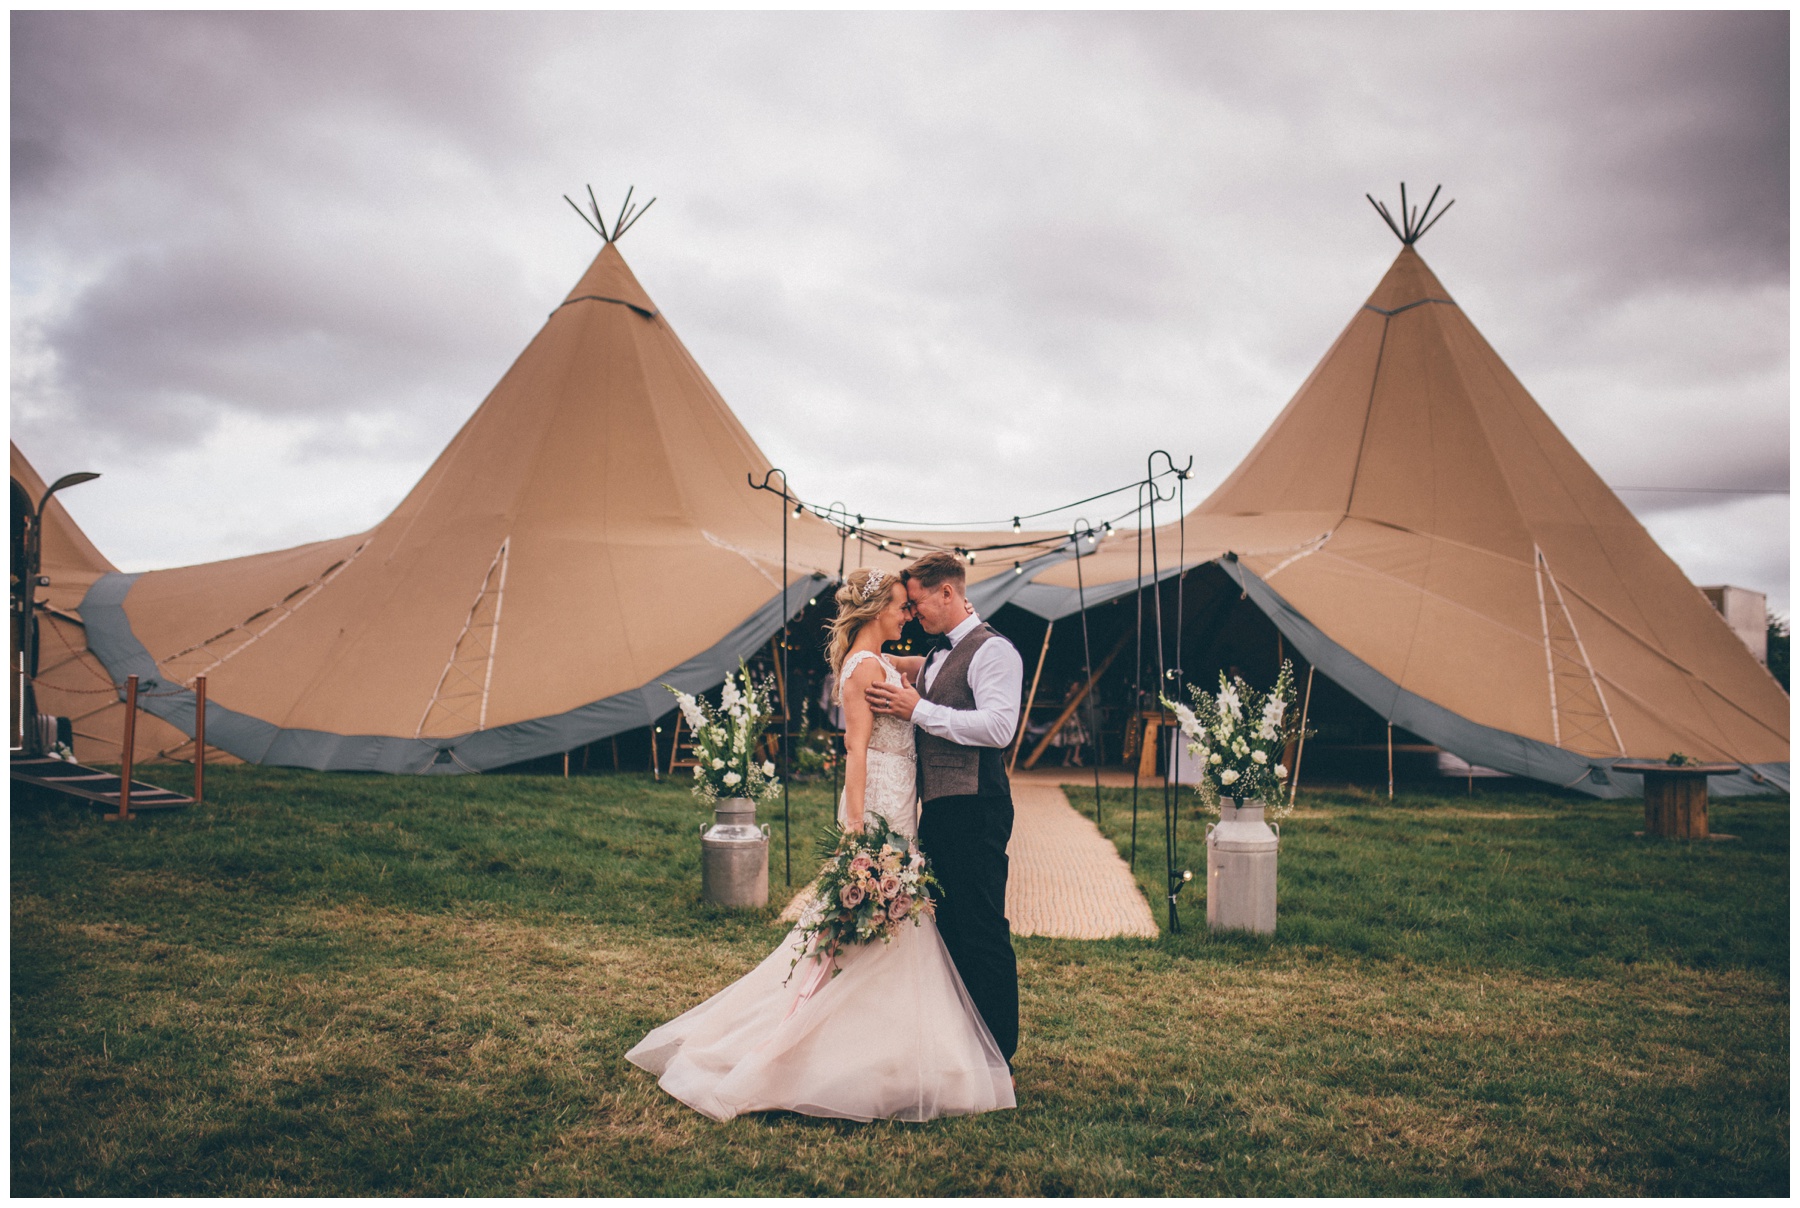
(873, 584)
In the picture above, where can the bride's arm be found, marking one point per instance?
(859, 720)
(908, 665)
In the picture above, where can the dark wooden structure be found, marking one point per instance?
(1675, 798)
(90, 785)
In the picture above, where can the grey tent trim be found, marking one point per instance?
(1481, 745)
(253, 740)
(1053, 603)
(992, 594)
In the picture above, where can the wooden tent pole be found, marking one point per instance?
(1030, 699)
(199, 739)
(1390, 745)
(127, 748)
(1069, 708)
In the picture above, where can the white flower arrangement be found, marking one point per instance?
(726, 736)
(1240, 759)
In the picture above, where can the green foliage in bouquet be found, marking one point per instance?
(1239, 735)
(726, 737)
(872, 883)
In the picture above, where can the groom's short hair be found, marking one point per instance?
(934, 570)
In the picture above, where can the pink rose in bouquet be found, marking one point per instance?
(869, 884)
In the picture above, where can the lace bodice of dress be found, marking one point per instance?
(891, 788)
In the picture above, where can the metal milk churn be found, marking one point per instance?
(1240, 867)
(734, 855)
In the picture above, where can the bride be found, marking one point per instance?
(894, 1035)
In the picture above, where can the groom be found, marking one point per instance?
(965, 719)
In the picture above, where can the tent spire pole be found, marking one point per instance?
(614, 231)
(1414, 222)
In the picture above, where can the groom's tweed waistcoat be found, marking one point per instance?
(948, 769)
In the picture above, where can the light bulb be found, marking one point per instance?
(814, 600)
(1108, 527)
(905, 552)
(1017, 569)
(1091, 537)
(796, 511)
(1015, 524)
(971, 557)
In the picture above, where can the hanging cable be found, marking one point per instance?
(1012, 521)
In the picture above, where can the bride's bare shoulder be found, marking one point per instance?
(864, 672)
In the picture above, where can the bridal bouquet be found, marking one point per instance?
(1240, 735)
(872, 883)
(726, 736)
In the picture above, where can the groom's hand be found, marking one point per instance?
(895, 700)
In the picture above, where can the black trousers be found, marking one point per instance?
(965, 839)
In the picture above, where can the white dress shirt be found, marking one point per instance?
(996, 674)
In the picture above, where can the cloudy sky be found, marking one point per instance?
(942, 266)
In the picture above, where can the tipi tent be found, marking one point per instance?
(589, 535)
(1415, 526)
(71, 682)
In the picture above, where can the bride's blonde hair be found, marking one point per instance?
(861, 598)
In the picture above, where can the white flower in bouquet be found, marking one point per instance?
(768, 767)
(732, 780)
(1217, 758)
(1228, 776)
(1190, 725)
(1239, 747)
(718, 765)
(699, 771)
(1267, 731)
(1259, 757)
(690, 711)
(1195, 749)
(1229, 704)
(1280, 772)
(1273, 708)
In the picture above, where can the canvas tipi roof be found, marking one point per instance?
(588, 535)
(1419, 529)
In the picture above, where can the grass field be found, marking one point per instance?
(340, 984)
